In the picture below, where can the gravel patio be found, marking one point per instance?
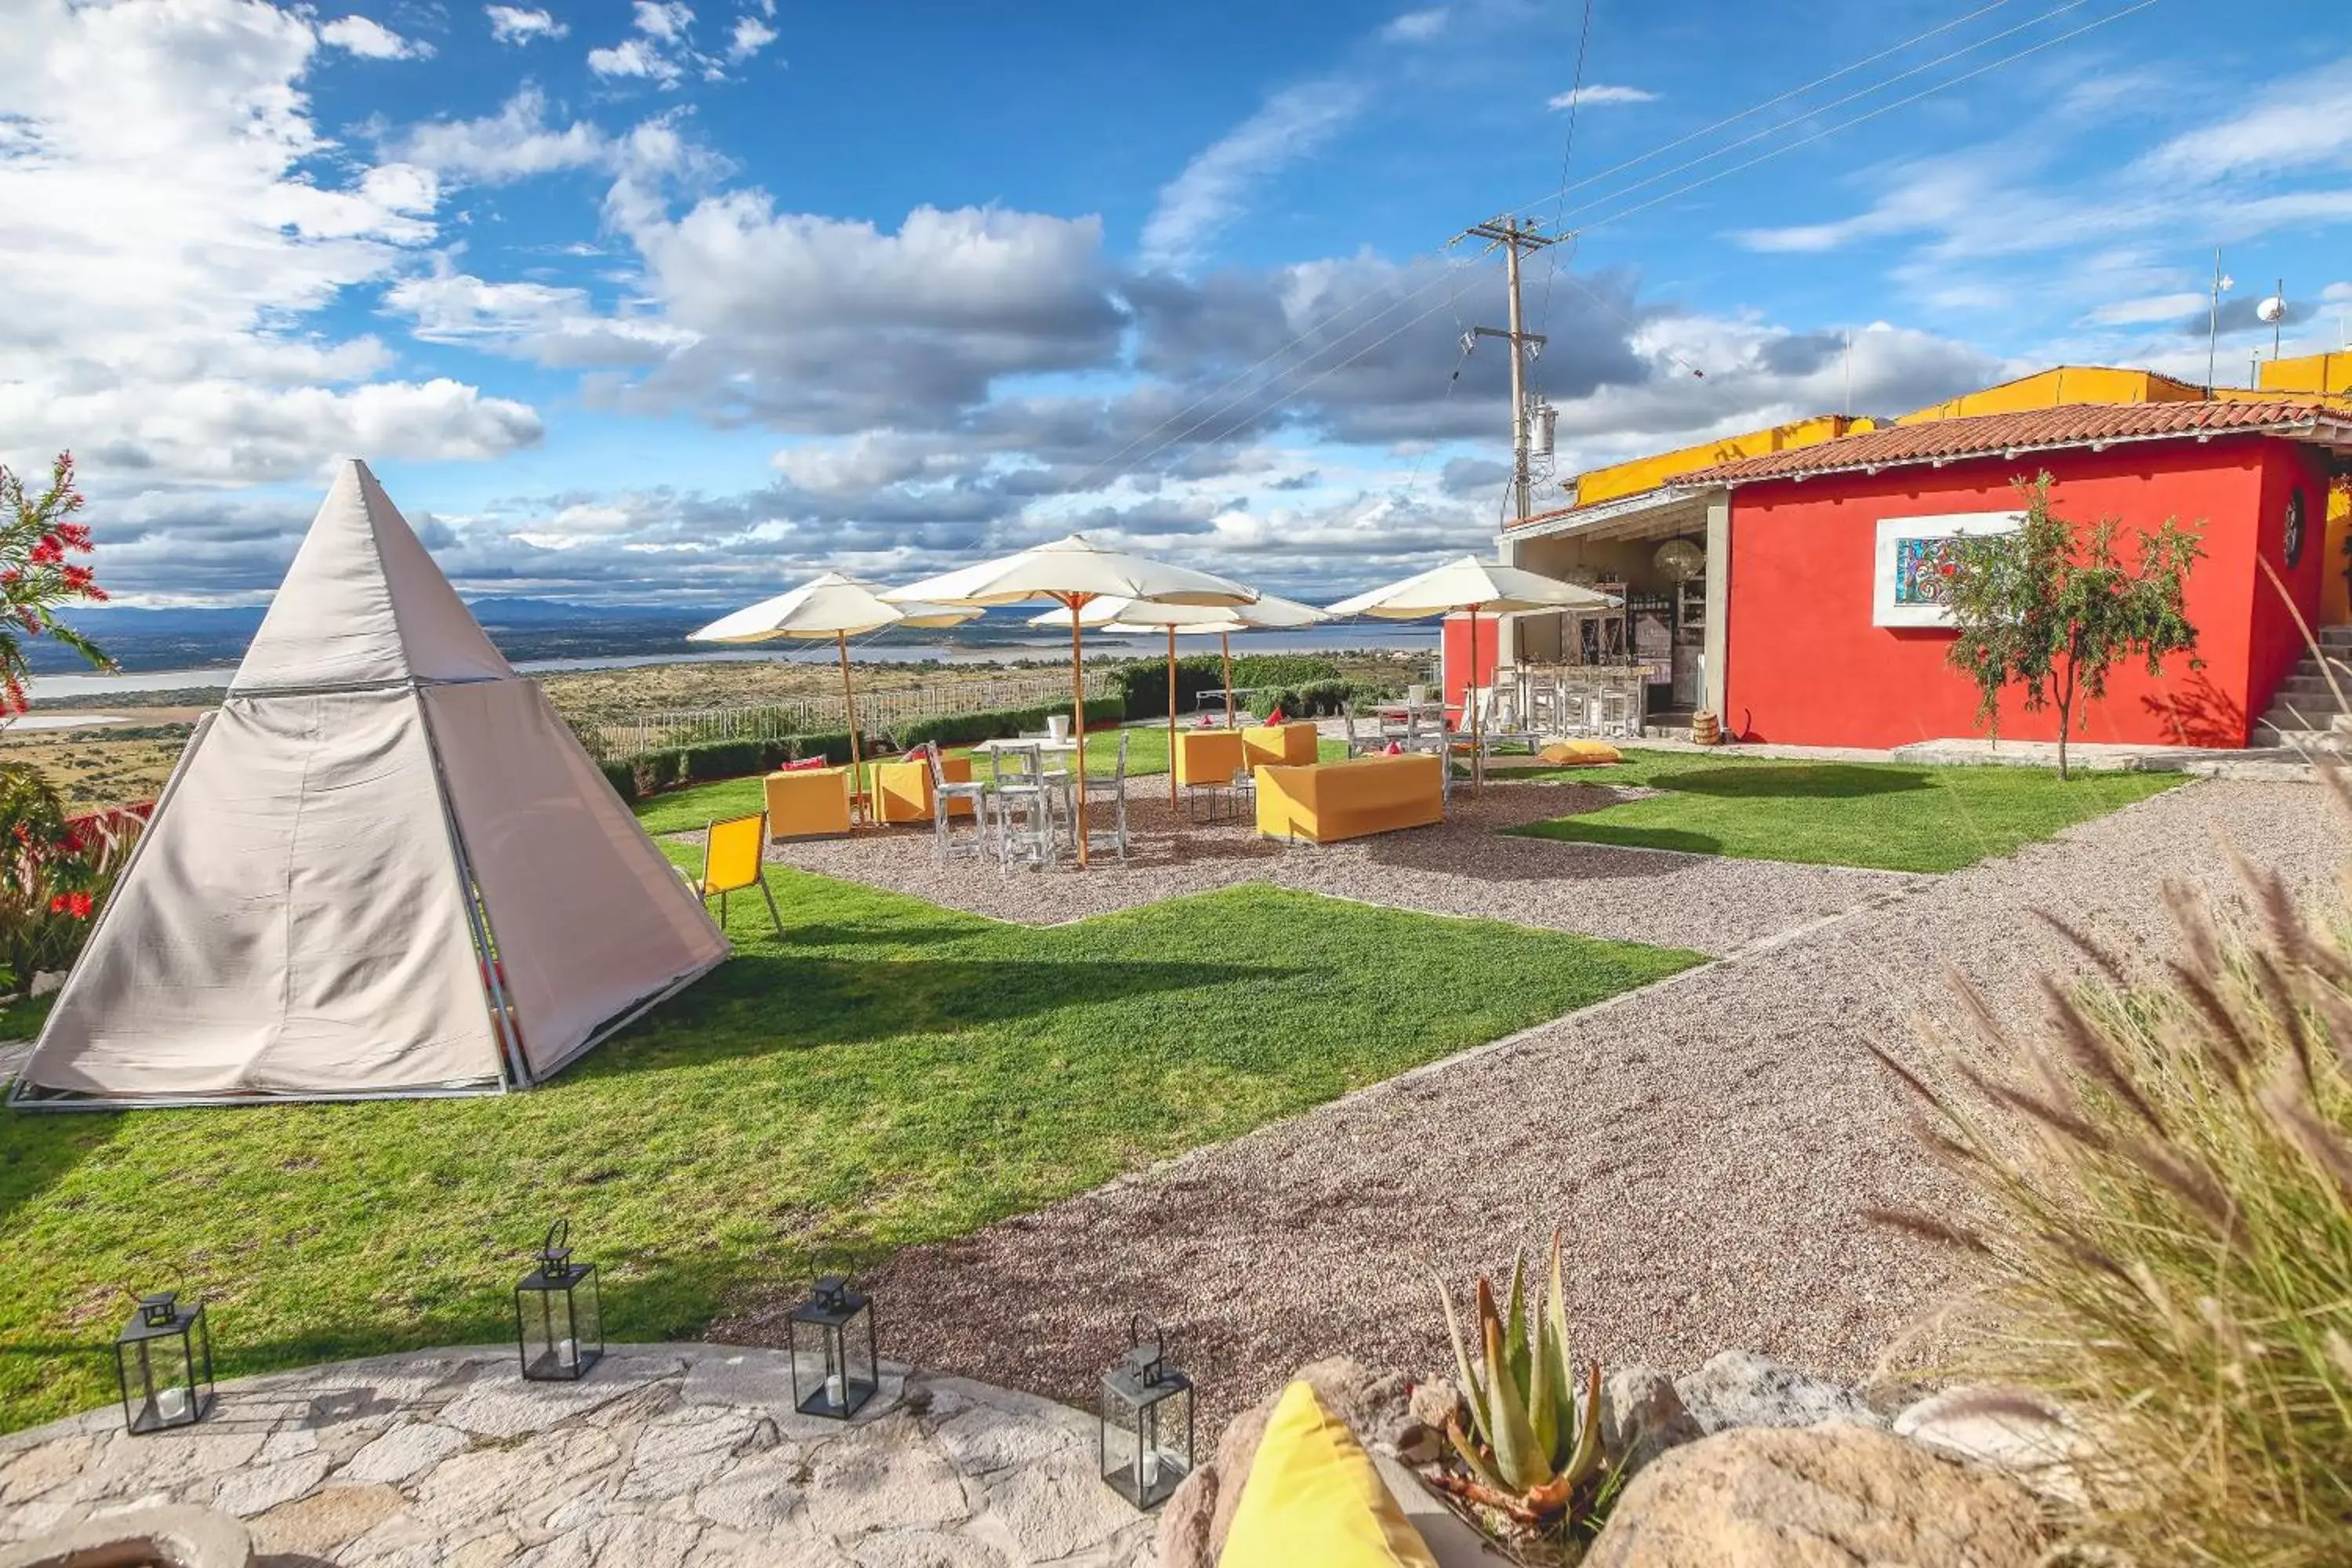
(1706, 1143)
(1463, 866)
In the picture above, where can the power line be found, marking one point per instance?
(1620, 216)
(1856, 96)
(1754, 109)
(1566, 152)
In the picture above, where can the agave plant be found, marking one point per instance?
(1534, 1446)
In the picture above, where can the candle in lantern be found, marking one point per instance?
(567, 1354)
(171, 1403)
(1150, 1466)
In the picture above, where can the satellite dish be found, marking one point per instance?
(2271, 311)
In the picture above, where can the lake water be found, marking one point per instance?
(1406, 636)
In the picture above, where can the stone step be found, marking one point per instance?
(2305, 712)
(2267, 734)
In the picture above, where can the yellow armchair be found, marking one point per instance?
(1208, 757)
(1280, 746)
(1325, 802)
(810, 803)
(902, 791)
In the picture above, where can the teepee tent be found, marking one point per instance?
(383, 867)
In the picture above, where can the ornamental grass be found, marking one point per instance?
(2164, 1231)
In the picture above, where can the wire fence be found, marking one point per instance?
(878, 713)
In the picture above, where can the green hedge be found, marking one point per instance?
(639, 777)
(1144, 683)
(635, 778)
(991, 723)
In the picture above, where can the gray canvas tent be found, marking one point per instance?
(383, 867)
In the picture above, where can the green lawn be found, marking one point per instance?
(1893, 815)
(686, 810)
(887, 1072)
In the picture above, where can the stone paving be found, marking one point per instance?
(663, 1457)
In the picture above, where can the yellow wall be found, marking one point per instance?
(2335, 592)
(2067, 383)
(1649, 473)
(2321, 375)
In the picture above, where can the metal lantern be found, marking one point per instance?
(1145, 1403)
(559, 1325)
(164, 1359)
(847, 1360)
(1680, 560)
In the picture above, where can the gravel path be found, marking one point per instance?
(1707, 903)
(1706, 1143)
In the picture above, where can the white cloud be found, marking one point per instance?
(1202, 201)
(636, 57)
(513, 144)
(373, 40)
(520, 25)
(1598, 94)
(2150, 308)
(2299, 123)
(1416, 27)
(173, 239)
(751, 36)
(666, 21)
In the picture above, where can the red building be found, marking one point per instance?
(1814, 620)
(1817, 650)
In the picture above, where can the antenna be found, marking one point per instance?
(2272, 312)
(2222, 284)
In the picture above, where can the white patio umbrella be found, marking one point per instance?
(1075, 572)
(1485, 587)
(835, 606)
(1136, 617)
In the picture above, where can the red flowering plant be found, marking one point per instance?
(55, 872)
(38, 537)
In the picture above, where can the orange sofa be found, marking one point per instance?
(810, 802)
(1279, 745)
(902, 791)
(1325, 802)
(1208, 757)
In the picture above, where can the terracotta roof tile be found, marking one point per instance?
(2033, 430)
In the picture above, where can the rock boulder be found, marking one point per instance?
(1740, 1389)
(1833, 1494)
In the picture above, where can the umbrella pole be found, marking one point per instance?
(1171, 717)
(1225, 641)
(1077, 602)
(1469, 699)
(849, 712)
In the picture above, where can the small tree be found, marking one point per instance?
(2052, 608)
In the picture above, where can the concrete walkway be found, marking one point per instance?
(665, 1456)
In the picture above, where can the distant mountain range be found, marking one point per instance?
(195, 638)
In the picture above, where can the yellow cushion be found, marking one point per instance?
(902, 791)
(1579, 754)
(811, 802)
(1326, 801)
(1208, 756)
(1279, 745)
(1313, 1497)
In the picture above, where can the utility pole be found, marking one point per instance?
(1515, 237)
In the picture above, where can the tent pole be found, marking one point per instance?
(1172, 716)
(1078, 603)
(850, 712)
(1225, 641)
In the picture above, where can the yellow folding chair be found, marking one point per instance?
(731, 861)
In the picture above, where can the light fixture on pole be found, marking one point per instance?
(2222, 284)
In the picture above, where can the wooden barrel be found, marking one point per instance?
(1706, 730)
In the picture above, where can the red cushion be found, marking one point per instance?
(806, 764)
(1396, 749)
(919, 754)
(1207, 722)
(1274, 717)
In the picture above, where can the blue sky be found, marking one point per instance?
(631, 302)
